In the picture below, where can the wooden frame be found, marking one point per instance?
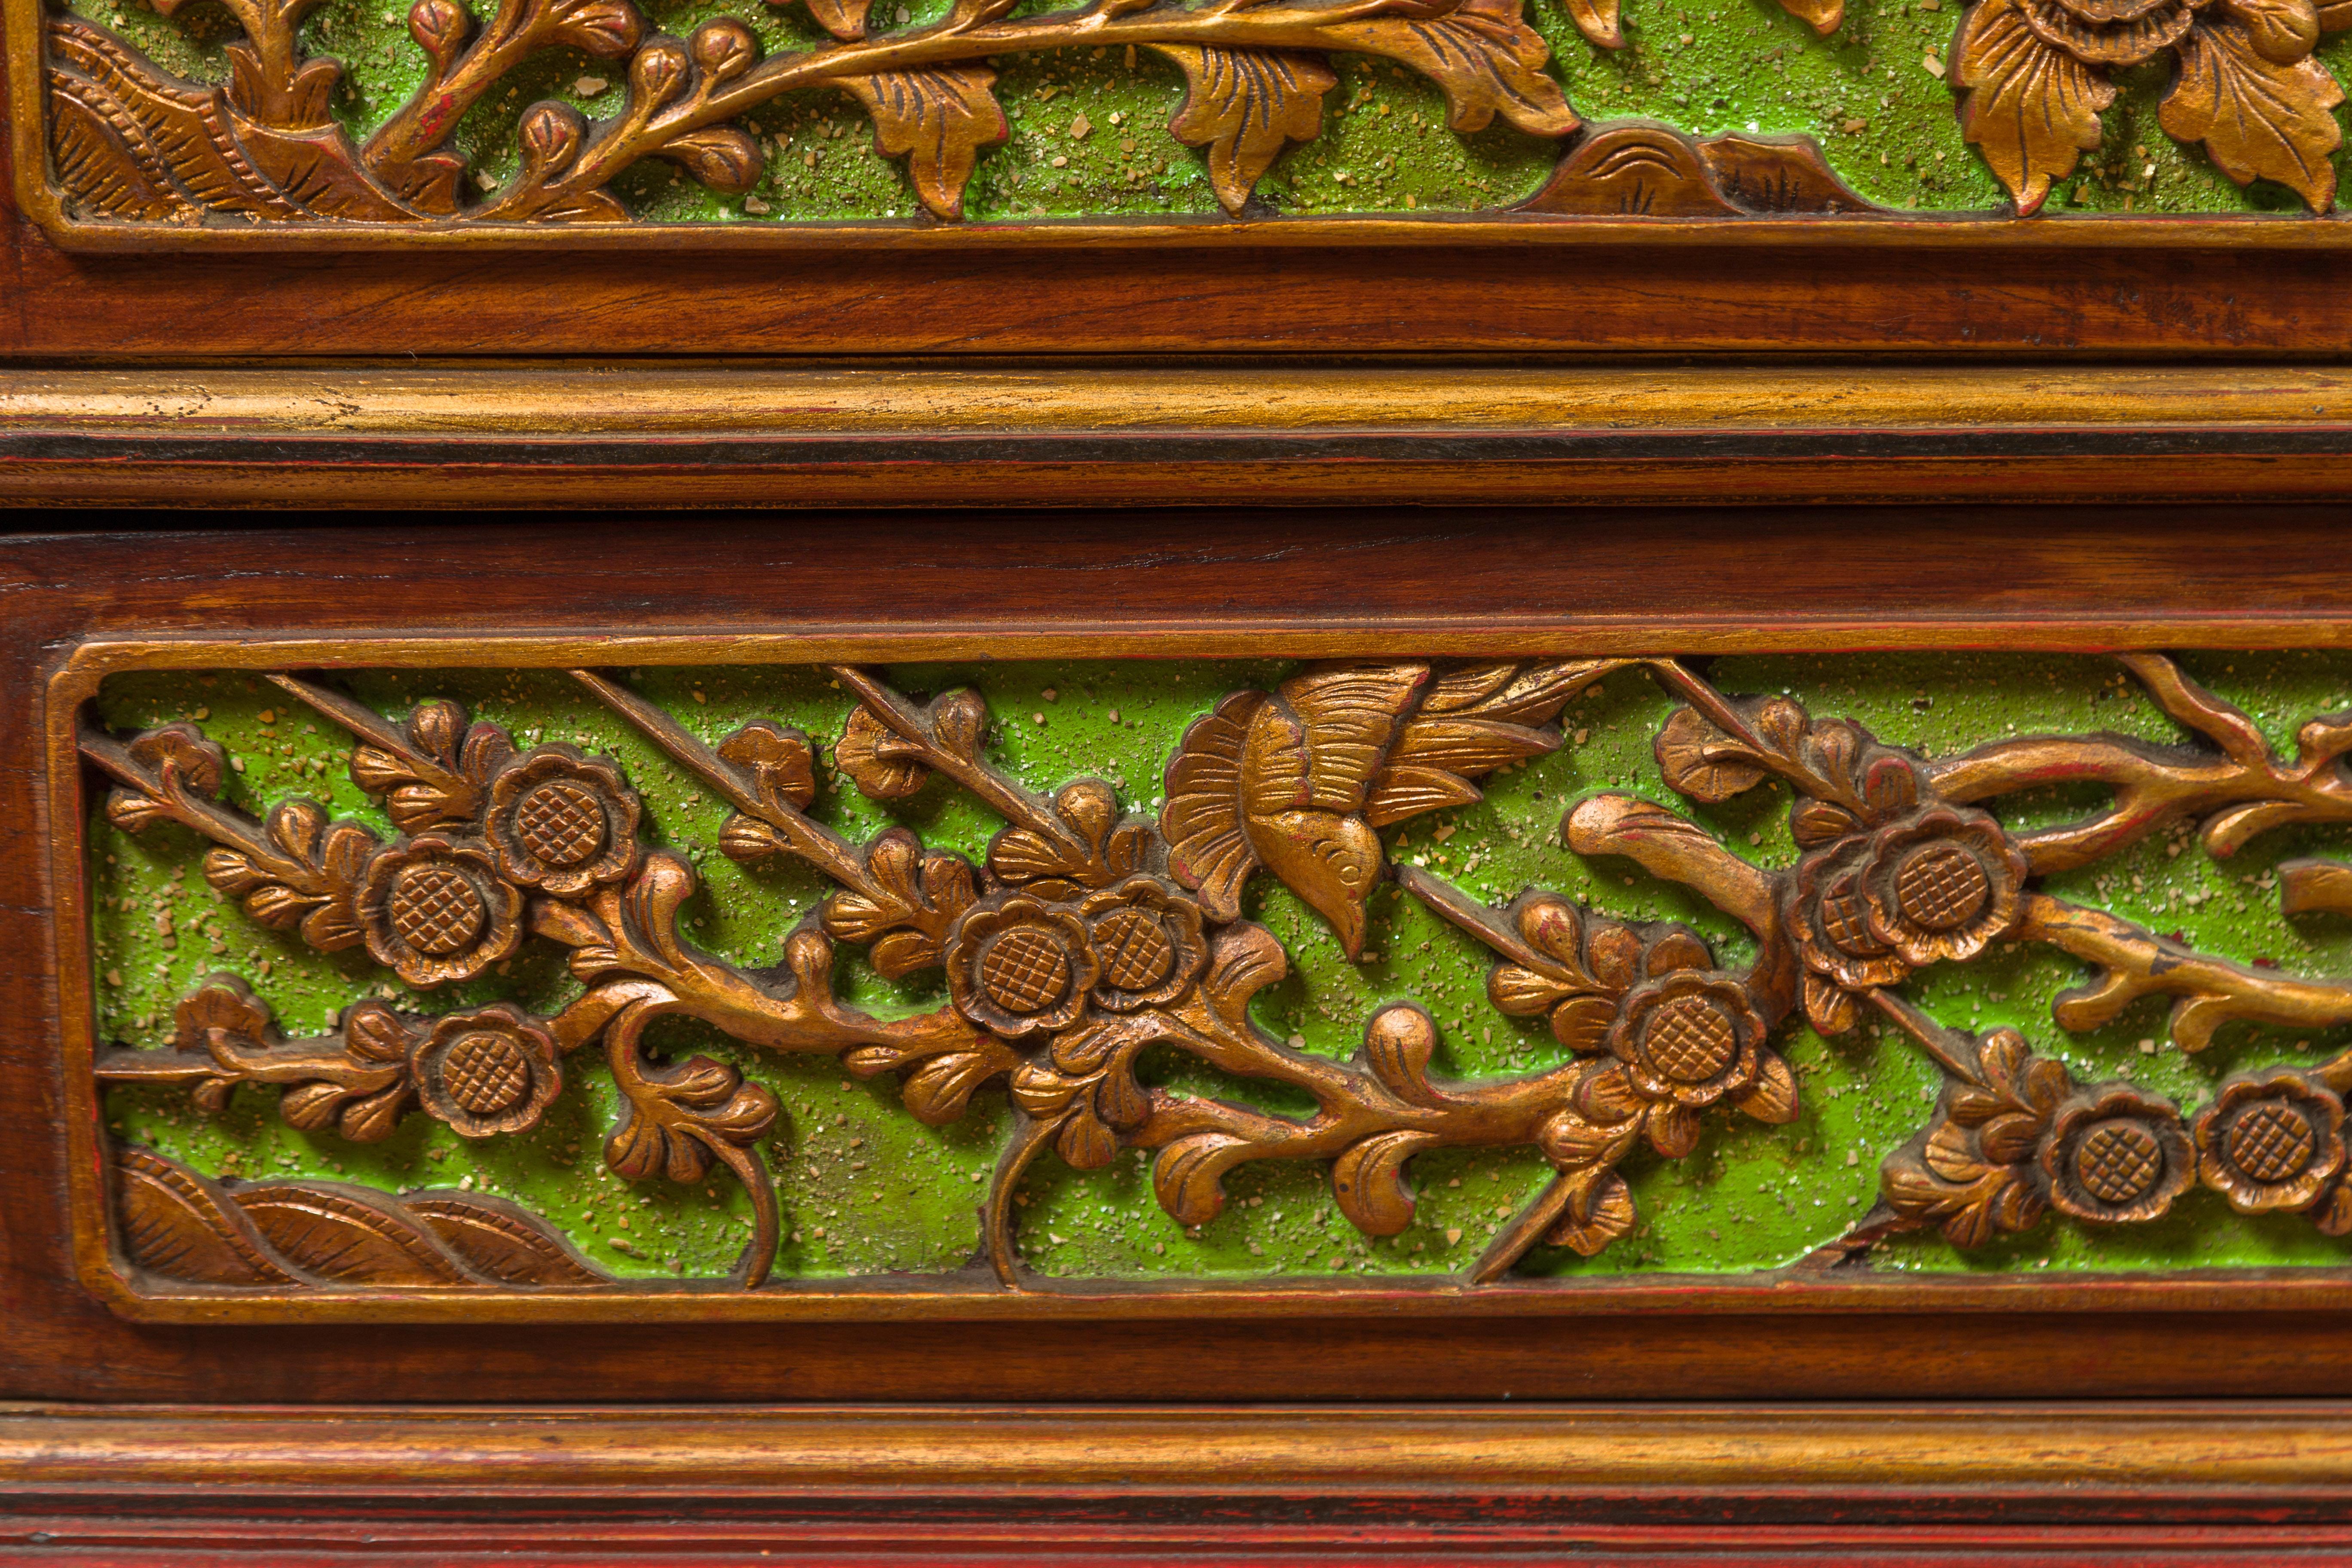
(2160, 584)
(1890, 1487)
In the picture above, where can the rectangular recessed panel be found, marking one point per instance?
(340, 122)
(489, 986)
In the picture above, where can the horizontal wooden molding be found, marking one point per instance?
(2280, 1449)
(593, 435)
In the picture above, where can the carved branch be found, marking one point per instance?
(2247, 784)
(2134, 963)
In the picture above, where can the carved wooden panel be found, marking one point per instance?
(525, 984)
(335, 123)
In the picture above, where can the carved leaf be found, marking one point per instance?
(1111, 849)
(723, 158)
(1633, 170)
(1570, 1141)
(939, 1091)
(177, 1224)
(1598, 21)
(1485, 59)
(1821, 15)
(503, 1240)
(608, 30)
(1592, 1224)
(2032, 109)
(1245, 106)
(677, 1109)
(922, 893)
(1700, 761)
(844, 19)
(2311, 886)
(781, 761)
(1188, 1175)
(1778, 174)
(882, 764)
(1368, 1181)
(349, 1234)
(2259, 115)
(938, 118)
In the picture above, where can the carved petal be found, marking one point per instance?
(503, 1240)
(1245, 106)
(349, 1234)
(938, 118)
(1486, 60)
(177, 1224)
(2257, 116)
(2032, 110)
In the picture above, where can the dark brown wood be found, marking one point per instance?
(2129, 301)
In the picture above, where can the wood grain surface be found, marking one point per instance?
(1880, 1486)
(1968, 295)
(610, 434)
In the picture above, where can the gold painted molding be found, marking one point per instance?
(2305, 1448)
(603, 434)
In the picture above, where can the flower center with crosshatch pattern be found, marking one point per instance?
(1025, 972)
(1941, 887)
(1690, 1040)
(436, 909)
(486, 1073)
(560, 824)
(1136, 953)
(2271, 1143)
(2119, 1162)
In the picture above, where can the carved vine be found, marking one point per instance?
(1088, 936)
(130, 142)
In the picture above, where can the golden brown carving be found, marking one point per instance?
(130, 142)
(1649, 171)
(2034, 78)
(180, 1225)
(1089, 936)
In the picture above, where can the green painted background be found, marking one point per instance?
(865, 1188)
(1884, 122)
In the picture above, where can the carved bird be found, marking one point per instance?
(1299, 780)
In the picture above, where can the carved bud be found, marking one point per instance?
(439, 27)
(551, 134)
(658, 73)
(724, 48)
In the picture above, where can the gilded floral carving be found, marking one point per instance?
(1092, 935)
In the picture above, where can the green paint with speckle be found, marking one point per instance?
(865, 1188)
(1885, 120)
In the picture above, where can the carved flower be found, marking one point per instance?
(435, 909)
(1940, 882)
(492, 1071)
(561, 822)
(1147, 942)
(2111, 32)
(1017, 965)
(2115, 1154)
(1588, 966)
(2036, 74)
(2271, 1141)
(1685, 1036)
(1690, 1035)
